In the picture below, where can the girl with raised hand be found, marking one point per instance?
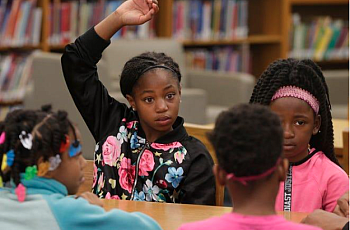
(143, 152)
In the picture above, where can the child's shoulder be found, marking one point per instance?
(325, 165)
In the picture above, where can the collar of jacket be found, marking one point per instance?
(177, 134)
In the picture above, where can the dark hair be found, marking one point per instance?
(48, 130)
(307, 75)
(137, 66)
(247, 139)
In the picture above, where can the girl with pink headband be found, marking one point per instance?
(248, 142)
(297, 91)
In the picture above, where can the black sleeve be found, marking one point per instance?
(199, 185)
(346, 226)
(100, 112)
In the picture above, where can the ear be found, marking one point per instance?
(317, 125)
(220, 174)
(282, 169)
(180, 87)
(131, 101)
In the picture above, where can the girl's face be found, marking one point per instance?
(156, 98)
(70, 170)
(299, 124)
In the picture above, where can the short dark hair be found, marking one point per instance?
(307, 75)
(137, 66)
(248, 139)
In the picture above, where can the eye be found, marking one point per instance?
(148, 100)
(170, 96)
(300, 122)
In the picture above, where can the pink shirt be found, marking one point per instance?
(241, 222)
(316, 184)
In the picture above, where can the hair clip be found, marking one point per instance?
(43, 167)
(2, 138)
(26, 139)
(30, 172)
(74, 149)
(10, 157)
(54, 162)
(20, 192)
(64, 145)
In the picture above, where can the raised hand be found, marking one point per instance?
(131, 12)
(137, 12)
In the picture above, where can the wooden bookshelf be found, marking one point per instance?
(313, 8)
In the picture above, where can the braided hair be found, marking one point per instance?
(148, 61)
(48, 130)
(240, 147)
(307, 75)
(14, 124)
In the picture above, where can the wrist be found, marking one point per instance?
(117, 16)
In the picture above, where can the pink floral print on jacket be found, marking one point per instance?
(111, 150)
(146, 163)
(126, 174)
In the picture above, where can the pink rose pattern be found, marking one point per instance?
(109, 197)
(166, 147)
(146, 163)
(122, 167)
(126, 174)
(110, 150)
(94, 176)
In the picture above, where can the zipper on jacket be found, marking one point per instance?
(147, 145)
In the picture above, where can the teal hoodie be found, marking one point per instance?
(47, 206)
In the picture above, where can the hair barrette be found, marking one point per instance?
(74, 149)
(43, 167)
(26, 140)
(30, 172)
(54, 162)
(20, 192)
(64, 145)
(2, 138)
(10, 157)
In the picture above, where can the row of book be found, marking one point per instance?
(20, 23)
(227, 59)
(208, 20)
(15, 76)
(70, 19)
(321, 38)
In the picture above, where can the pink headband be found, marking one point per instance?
(293, 91)
(243, 180)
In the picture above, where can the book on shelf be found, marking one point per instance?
(18, 23)
(226, 59)
(15, 76)
(322, 38)
(70, 19)
(210, 20)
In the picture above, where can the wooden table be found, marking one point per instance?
(171, 216)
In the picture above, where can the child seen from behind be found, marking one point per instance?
(297, 91)
(44, 164)
(248, 144)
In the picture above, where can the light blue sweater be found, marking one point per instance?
(47, 206)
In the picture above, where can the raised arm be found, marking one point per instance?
(100, 112)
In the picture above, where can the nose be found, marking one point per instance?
(288, 131)
(161, 106)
